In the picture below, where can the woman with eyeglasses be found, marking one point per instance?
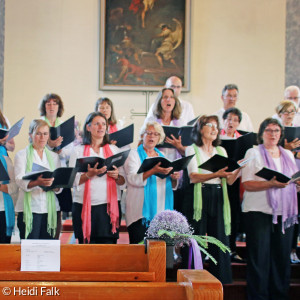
(147, 194)
(206, 203)
(7, 188)
(96, 198)
(270, 212)
(37, 209)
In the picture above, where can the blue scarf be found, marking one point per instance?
(8, 202)
(150, 191)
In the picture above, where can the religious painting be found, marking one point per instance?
(143, 42)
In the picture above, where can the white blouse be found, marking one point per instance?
(135, 189)
(38, 196)
(193, 166)
(98, 184)
(257, 201)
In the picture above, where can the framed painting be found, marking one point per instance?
(143, 42)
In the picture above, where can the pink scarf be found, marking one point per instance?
(237, 134)
(112, 128)
(112, 199)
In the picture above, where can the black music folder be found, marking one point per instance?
(218, 162)
(63, 177)
(237, 148)
(193, 122)
(13, 131)
(184, 132)
(117, 160)
(66, 130)
(254, 135)
(3, 173)
(178, 164)
(291, 133)
(123, 136)
(268, 174)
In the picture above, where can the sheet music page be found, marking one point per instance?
(40, 255)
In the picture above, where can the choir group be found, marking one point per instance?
(212, 201)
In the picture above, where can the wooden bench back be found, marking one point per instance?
(101, 259)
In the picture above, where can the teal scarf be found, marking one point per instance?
(150, 191)
(198, 194)
(51, 208)
(8, 202)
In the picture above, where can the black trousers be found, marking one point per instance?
(235, 210)
(100, 224)
(39, 227)
(212, 224)
(136, 231)
(268, 257)
(4, 239)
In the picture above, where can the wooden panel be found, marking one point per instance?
(200, 284)
(77, 276)
(99, 290)
(157, 259)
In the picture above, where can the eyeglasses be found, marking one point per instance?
(150, 133)
(270, 131)
(176, 86)
(231, 96)
(293, 98)
(211, 125)
(286, 113)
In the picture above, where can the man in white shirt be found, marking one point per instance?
(175, 83)
(292, 93)
(229, 97)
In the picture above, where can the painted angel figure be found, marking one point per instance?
(170, 41)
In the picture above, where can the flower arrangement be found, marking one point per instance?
(173, 227)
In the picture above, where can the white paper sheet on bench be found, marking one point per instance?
(40, 255)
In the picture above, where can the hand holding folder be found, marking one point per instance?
(177, 165)
(12, 132)
(123, 137)
(269, 174)
(117, 160)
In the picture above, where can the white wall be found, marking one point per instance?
(53, 46)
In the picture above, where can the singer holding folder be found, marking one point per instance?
(7, 214)
(270, 212)
(37, 209)
(206, 203)
(147, 194)
(96, 199)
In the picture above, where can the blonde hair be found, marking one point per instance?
(284, 105)
(158, 128)
(35, 125)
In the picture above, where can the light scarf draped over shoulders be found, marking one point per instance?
(51, 206)
(288, 195)
(198, 194)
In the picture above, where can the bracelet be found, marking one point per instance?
(87, 176)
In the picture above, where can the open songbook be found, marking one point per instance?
(66, 130)
(13, 131)
(117, 160)
(63, 177)
(268, 174)
(184, 132)
(237, 148)
(3, 174)
(218, 162)
(178, 164)
(123, 136)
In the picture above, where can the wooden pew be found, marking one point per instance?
(107, 272)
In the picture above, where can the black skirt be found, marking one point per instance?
(100, 222)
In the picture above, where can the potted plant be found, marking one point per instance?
(173, 227)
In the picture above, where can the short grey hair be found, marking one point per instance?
(158, 128)
(291, 88)
(35, 125)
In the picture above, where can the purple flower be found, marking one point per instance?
(172, 221)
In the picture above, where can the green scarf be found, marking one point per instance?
(51, 207)
(198, 194)
(57, 122)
